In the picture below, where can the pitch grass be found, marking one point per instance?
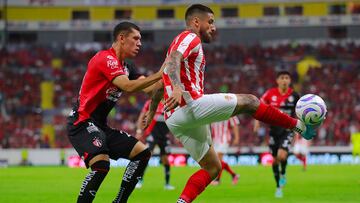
(327, 184)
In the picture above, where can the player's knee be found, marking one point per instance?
(101, 166)
(247, 103)
(144, 155)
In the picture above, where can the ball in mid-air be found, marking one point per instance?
(311, 109)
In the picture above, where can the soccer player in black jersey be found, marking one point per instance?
(107, 76)
(284, 98)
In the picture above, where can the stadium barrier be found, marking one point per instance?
(179, 157)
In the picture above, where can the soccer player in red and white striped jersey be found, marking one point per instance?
(190, 111)
(222, 133)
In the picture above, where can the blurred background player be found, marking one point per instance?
(106, 77)
(301, 150)
(223, 133)
(284, 98)
(156, 134)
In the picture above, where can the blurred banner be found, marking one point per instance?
(138, 2)
(174, 24)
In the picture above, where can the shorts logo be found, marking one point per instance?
(97, 142)
(227, 97)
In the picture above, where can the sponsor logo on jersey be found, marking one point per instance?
(112, 63)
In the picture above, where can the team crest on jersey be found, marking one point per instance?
(274, 98)
(97, 142)
(113, 94)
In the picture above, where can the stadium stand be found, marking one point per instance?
(244, 69)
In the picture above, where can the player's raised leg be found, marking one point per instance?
(250, 104)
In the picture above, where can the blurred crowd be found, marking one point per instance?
(233, 68)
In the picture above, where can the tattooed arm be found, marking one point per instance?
(172, 69)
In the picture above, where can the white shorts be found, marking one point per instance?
(190, 123)
(221, 147)
(300, 149)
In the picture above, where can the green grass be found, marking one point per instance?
(325, 184)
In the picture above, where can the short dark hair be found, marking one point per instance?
(196, 8)
(124, 27)
(283, 72)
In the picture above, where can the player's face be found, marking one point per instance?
(132, 43)
(207, 28)
(283, 81)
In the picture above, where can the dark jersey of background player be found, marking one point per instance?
(106, 78)
(156, 134)
(285, 102)
(284, 98)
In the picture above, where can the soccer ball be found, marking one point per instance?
(311, 109)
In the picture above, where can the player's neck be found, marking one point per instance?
(119, 54)
(193, 30)
(283, 90)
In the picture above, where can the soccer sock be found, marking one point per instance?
(273, 116)
(283, 167)
(275, 168)
(134, 171)
(195, 185)
(302, 158)
(227, 168)
(167, 174)
(93, 181)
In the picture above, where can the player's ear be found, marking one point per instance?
(196, 21)
(121, 38)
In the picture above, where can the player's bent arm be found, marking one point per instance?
(256, 126)
(172, 67)
(149, 90)
(236, 134)
(155, 99)
(127, 85)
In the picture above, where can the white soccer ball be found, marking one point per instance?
(311, 109)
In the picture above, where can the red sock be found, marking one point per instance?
(273, 116)
(195, 185)
(227, 168)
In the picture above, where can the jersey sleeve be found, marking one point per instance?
(109, 66)
(188, 44)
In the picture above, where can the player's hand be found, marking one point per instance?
(175, 99)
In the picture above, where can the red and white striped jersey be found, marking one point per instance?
(191, 70)
(221, 131)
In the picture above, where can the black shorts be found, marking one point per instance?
(158, 137)
(90, 140)
(280, 139)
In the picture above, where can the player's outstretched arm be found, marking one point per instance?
(172, 69)
(127, 85)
